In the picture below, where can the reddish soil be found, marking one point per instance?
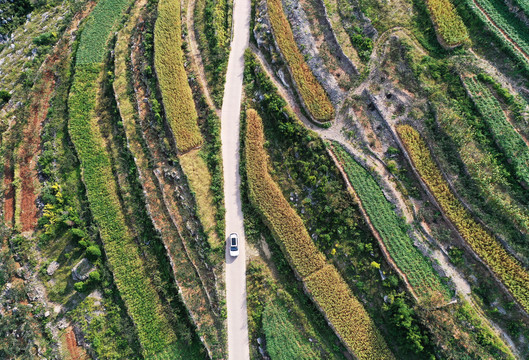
(39, 105)
(75, 352)
(30, 148)
(9, 195)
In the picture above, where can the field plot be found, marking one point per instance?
(350, 320)
(169, 63)
(417, 268)
(133, 283)
(310, 90)
(511, 32)
(508, 269)
(283, 340)
(92, 47)
(449, 27)
(507, 138)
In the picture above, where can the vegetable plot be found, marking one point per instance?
(506, 268)
(507, 138)
(418, 269)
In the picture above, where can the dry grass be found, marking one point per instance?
(312, 93)
(199, 178)
(172, 77)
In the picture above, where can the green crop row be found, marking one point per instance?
(138, 293)
(310, 90)
(448, 23)
(346, 314)
(169, 63)
(506, 24)
(507, 138)
(104, 16)
(392, 229)
(283, 339)
(508, 269)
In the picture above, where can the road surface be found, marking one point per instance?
(238, 347)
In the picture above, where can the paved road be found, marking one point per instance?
(238, 347)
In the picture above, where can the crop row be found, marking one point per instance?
(508, 269)
(346, 314)
(283, 339)
(310, 90)
(392, 229)
(507, 138)
(172, 77)
(104, 16)
(130, 276)
(448, 23)
(508, 25)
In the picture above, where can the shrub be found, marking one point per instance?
(5, 96)
(93, 252)
(95, 276)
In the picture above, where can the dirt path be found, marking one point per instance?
(196, 58)
(238, 344)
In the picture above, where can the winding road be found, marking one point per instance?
(238, 344)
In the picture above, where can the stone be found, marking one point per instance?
(82, 270)
(52, 267)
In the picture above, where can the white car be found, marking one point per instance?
(234, 244)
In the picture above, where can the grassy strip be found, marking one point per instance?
(136, 290)
(509, 271)
(507, 138)
(327, 287)
(199, 178)
(418, 269)
(106, 13)
(169, 63)
(311, 92)
(448, 24)
(284, 341)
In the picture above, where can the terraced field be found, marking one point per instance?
(507, 138)
(416, 267)
(310, 90)
(506, 268)
(347, 315)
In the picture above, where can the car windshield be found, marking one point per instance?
(233, 241)
(233, 248)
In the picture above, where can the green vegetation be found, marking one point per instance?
(508, 269)
(213, 28)
(14, 14)
(283, 340)
(169, 63)
(310, 90)
(447, 22)
(92, 47)
(507, 138)
(133, 283)
(348, 316)
(417, 268)
(503, 23)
